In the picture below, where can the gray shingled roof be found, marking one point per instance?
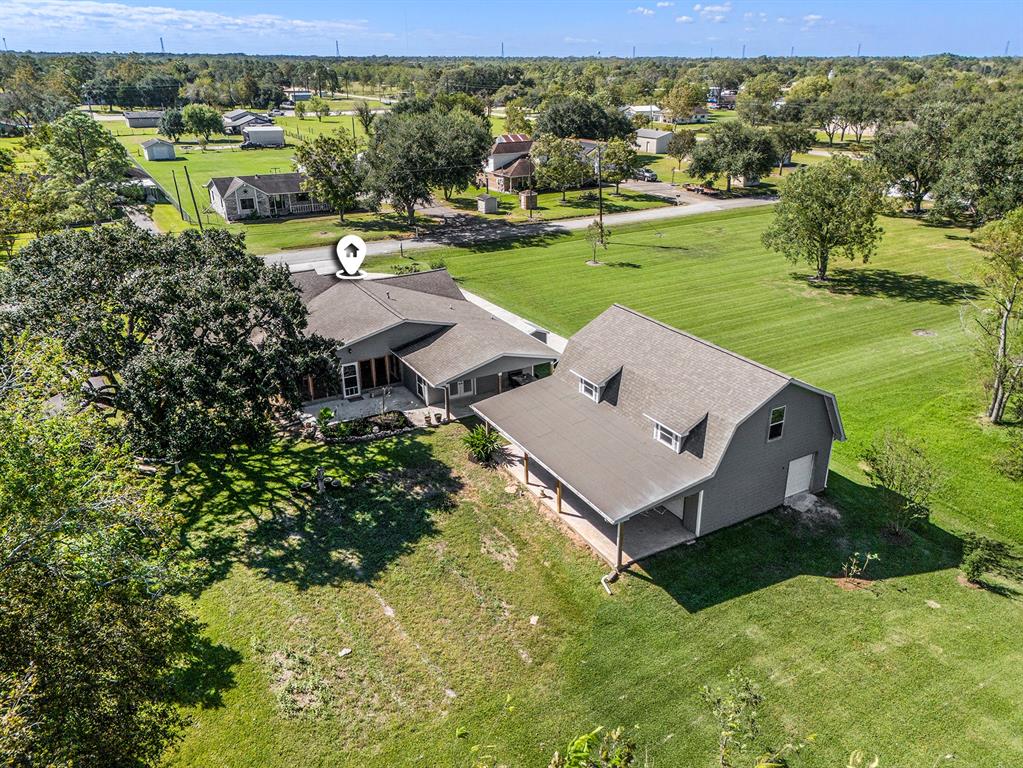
(467, 336)
(150, 142)
(605, 451)
(269, 183)
(651, 133)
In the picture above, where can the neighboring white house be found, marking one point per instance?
(264, 195)
(298, 94)
(263, 135)
(651, 111)
(158, 149)
(652, 140)
(698, 115)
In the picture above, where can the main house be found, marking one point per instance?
(664, 437)
(264, 195)
(418, 330)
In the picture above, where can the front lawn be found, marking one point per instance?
(423, 610)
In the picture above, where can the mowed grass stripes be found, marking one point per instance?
(887, 337)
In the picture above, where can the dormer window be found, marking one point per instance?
(589, 389)
(669, 437)
(777, 424)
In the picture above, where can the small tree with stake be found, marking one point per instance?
(598, 236)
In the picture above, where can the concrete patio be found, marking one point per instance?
(642, 536)
(375, 401)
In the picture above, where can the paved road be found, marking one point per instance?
(467, 230)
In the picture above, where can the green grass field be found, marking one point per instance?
(430, 572)
(710, 275)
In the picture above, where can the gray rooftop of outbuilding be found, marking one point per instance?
(605, 451)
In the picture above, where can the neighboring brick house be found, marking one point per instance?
(264, 196)
(509, 167)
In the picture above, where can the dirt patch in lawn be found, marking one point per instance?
(497, 546)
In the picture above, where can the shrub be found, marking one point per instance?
(336, 431)
(323, 418)
(854, 567)
(482, 444)
(905, 478)
(438, 264)
(974, 565)
(984, 555)
(404, 269)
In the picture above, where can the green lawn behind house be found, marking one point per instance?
(886, 337)
(550, 206)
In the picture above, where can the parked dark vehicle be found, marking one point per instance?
(645, 174)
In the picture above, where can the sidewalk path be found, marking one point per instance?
(469, 230)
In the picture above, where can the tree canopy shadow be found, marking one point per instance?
(887, 283)
(782, 544)
(202, 682)
(251, 510)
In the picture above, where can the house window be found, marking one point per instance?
(777, 424)
(589, 389)
(669, 437)
(248, 203)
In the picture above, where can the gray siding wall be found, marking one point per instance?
(752, 475)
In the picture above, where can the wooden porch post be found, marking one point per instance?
(500, 383)
(387, 367)
(373, 372)
(559, 497)
(525, 465)
(447, 403)
(619, 547)
(309, 383)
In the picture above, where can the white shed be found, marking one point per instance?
(264, 135)
(652, 141)
(158, 149)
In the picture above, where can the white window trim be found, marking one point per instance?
(674, 440)
(770, 423)
(584, 384)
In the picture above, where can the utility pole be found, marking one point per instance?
(353, 127)
(792, 51)
(633, 51)
(337, 49)
(858, 45)
(161, 45)
(1006, 46)
(502, 49)
(177, 195)
(744, 50)
(198, 216)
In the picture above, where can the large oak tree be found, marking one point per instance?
(825, 210)
(197, 336)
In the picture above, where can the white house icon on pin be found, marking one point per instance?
(351, 252)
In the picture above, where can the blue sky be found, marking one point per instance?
(527, 27)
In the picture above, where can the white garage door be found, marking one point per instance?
(800, 473)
